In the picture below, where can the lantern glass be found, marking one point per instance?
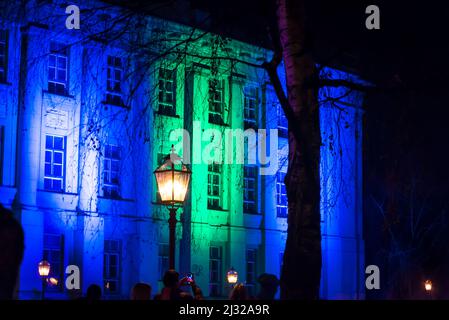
(428, 285)
(232, 276)
(44, 268)
(172, 179)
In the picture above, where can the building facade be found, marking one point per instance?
(87, 115)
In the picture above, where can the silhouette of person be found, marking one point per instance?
(269, 284)
(141, 291)
(93, 293)
(239, 292)
(171, 290)
(11, 253)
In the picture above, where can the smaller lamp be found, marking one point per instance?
(232, 276)
(52, 281)
(428, 285)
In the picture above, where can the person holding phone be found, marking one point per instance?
(188, 283)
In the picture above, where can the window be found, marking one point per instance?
(54, 170)
(216, 101)
(167, 91)
(54, 254)
(163, 259)
(3, 54)
(251, 272)
(249, 189)
(214, 186)
(281, 196)
(111, 266)
(251, 97)
(215, 270)
(114, 81)
(282, 123)
(58, 74)
(111, 165)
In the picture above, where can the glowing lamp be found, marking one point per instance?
(232, 276)
(52, 281)
(44, 268)
(172, 178)
(428, 285)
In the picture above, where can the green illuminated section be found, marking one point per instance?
(215, 234)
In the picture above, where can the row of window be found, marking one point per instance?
(54, 177)
(54, 167)
(58, 80)
(53, 252)
(214, 189)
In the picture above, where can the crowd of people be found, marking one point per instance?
(186, 289)
(11, 254)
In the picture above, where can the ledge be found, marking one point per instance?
(176, 116)
(58, 94)
(110, 105)
(116, 199)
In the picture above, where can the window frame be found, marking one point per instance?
(107, 253)
(250, 122)
(280, 206)
(4, 67)
(53, 151)
(251, 284)
(110, 160)
(247, 202)
(214, 116)
(47, 248)
(211, 197)
(114, 96)
(219, 272)
(164, 107)
(55, 84)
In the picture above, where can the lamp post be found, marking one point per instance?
(172, 178)
(44, 271)
(428, 287)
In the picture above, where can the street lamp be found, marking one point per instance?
(172, 178)
(232, 276)
(428, 287)
(44, 271)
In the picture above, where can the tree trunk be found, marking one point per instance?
(301, 271)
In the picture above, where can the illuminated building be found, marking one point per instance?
(83, 125)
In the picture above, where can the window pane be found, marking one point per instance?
(57, 157)
(57, 171)
(57, 185)
(47, 183)
(49, 142)
(58, 143)
(47, 171)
